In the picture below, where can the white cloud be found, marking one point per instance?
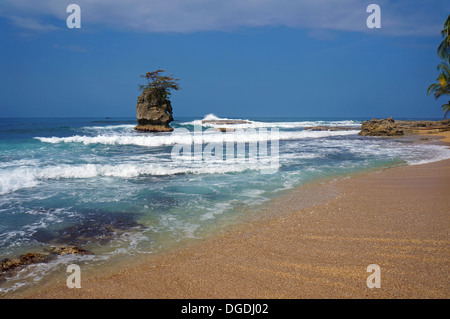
(32, 24)
(398, 17)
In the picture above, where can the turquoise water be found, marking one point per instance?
(99, 184)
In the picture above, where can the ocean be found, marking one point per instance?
(121, 194)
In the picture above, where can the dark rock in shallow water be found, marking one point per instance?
(153, 128)
(96, 226)
(389, 127)
(154, 112)
(27, 259)
(330, 128)
(8, 265)
(411, 126)
(68, 250)
(383, 127)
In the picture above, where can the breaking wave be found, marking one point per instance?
(260, 124)
(182, 136)
(19, 178)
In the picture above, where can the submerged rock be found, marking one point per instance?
(154, 112)
(69, 250)
(23, 260)
(383, 127)
(96, 227)
(329, 128)
(7, 265)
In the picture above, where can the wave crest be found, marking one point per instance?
(182, 136)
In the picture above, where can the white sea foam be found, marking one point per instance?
(217, 209)
(20, 162)
(259, 124)
(10, 182)
(176, 226)
(180, 136)
(110, 127)
(212, 117)
(435, 153)
(19, 178)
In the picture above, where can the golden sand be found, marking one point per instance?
(445, 135)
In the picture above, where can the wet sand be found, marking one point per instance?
(397, 218)
(443, 136)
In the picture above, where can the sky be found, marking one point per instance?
(234, 58)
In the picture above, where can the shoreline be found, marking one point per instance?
(318, 251)
(443, 137)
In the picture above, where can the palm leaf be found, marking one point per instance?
(443, 49)
(446, 108)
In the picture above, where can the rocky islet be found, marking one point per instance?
(154, 112)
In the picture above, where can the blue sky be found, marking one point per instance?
(246, 58)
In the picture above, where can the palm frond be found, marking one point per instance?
(443, 50)
(446, 108)
(444, 67)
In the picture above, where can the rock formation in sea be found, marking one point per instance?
(330, 128)
(389, 127)
(418, 126)
(7, 265)
(383, 127)
(154, 112)
(68, 250)
(23, 260)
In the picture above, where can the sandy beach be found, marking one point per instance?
(444, 136)
(397, 218)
